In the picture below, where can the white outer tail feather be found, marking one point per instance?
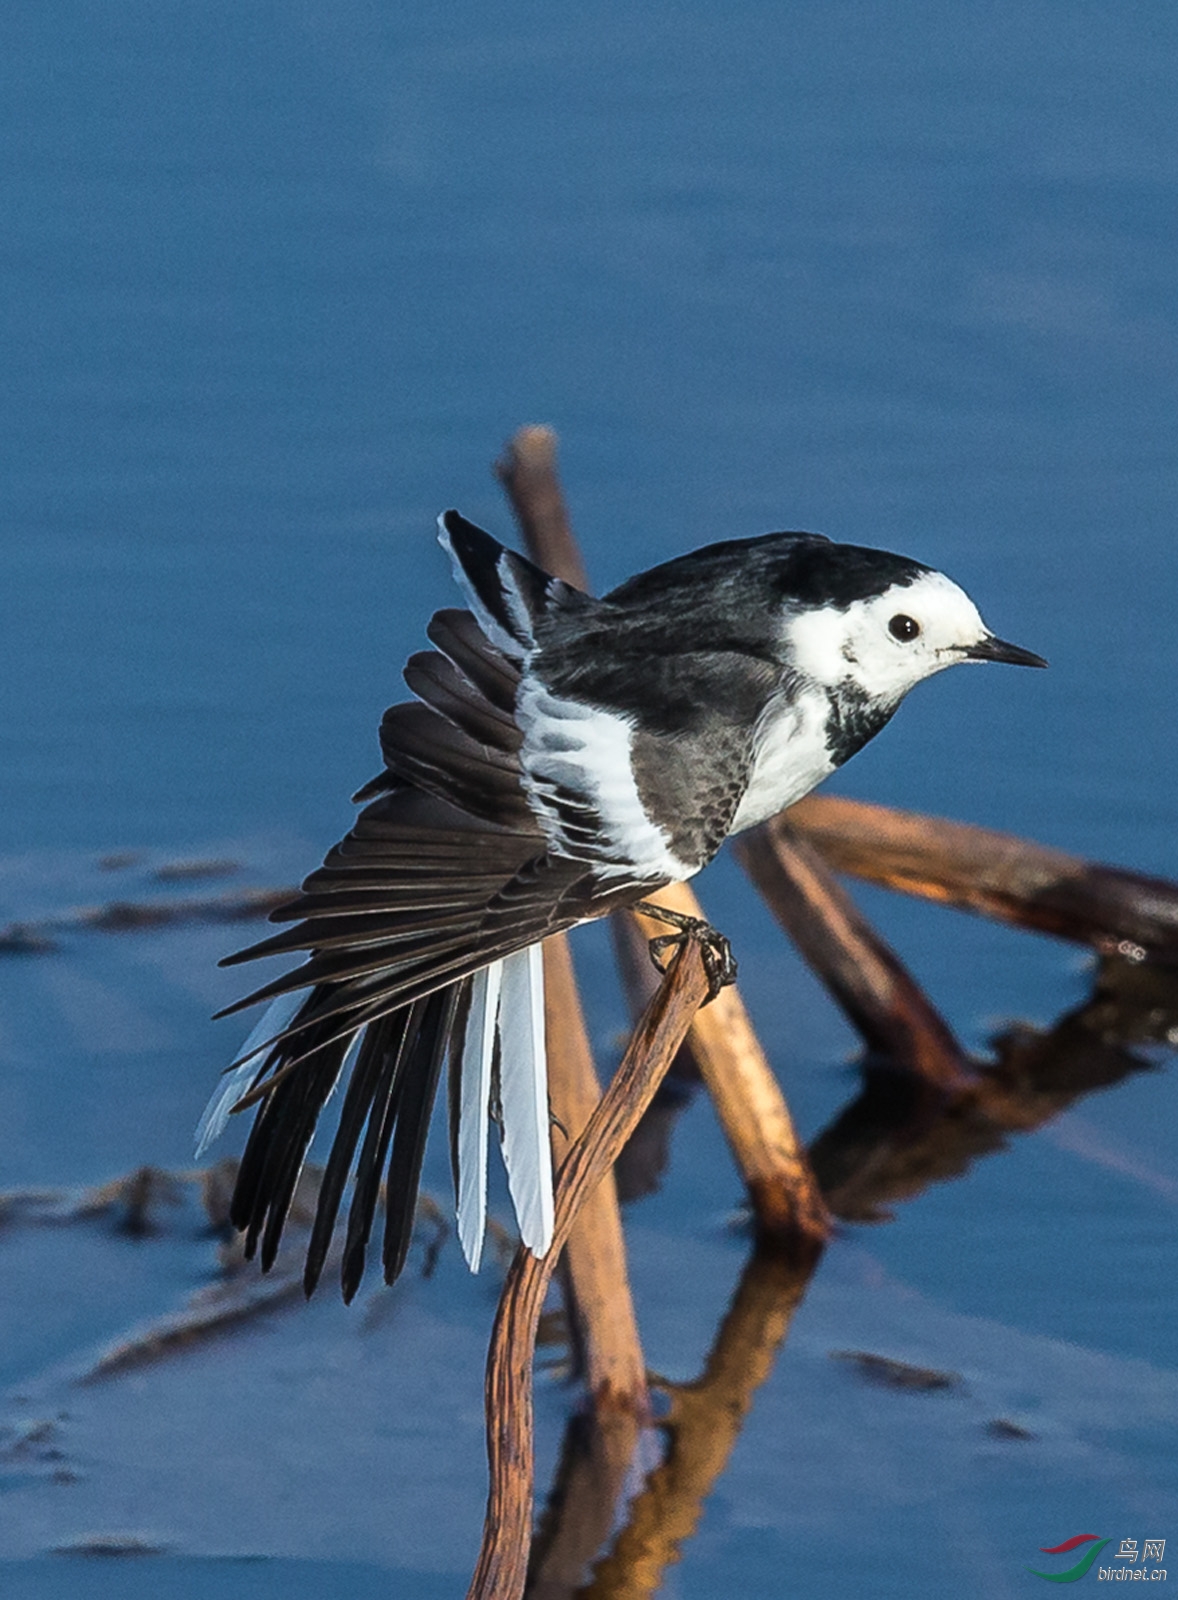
(478, 1054)
(507, 1005)
(523, 1094)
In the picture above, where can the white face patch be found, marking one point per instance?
(872, 643)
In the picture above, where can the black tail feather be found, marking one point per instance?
(277, 1148)
(375, 1148)
(357, 1105)
(413, 1117)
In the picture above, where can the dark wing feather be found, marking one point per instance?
(468, 681)
(354, 1113)
(436, 681)
(425, 749)
(417, 1098)
(548, 895)
(459, 637)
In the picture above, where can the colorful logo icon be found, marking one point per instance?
(1072, 1574)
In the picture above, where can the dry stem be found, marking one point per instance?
(503, 1557)
(597, 1288)
(747, 1096)
(786, 1200)
(996, 874)
(529, 478)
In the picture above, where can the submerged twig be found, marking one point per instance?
(128, 916)
(208, 1313)
(889, 1373)
(502, 1564)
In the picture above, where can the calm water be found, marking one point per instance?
(277, 283)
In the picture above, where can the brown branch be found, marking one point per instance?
(596, 1255)
(643, 1163)
(528, 475)
(996, 874)
(786, 1200)
(503, 1557)
(862, 972)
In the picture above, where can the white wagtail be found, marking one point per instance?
(564, 756)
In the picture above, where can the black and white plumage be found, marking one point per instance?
(563, 757)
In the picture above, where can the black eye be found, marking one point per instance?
(903, 628)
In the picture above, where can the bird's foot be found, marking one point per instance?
(715, 950)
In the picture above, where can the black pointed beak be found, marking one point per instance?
(991, 649)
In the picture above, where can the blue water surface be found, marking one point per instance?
(276, 283)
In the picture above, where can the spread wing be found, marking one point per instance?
(445, 874)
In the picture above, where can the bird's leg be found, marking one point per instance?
(715, 950)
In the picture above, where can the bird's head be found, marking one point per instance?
(884, 642)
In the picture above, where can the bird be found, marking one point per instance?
(562, 756)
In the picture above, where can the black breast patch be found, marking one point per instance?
(853, 719)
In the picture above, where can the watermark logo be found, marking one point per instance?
(1124, 1566)
(1073, 1573)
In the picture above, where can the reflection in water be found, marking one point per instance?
(890, 1143)
(701, 1426)
(896, 1138)
(599, 1464)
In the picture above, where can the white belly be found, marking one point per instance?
(791, 759)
